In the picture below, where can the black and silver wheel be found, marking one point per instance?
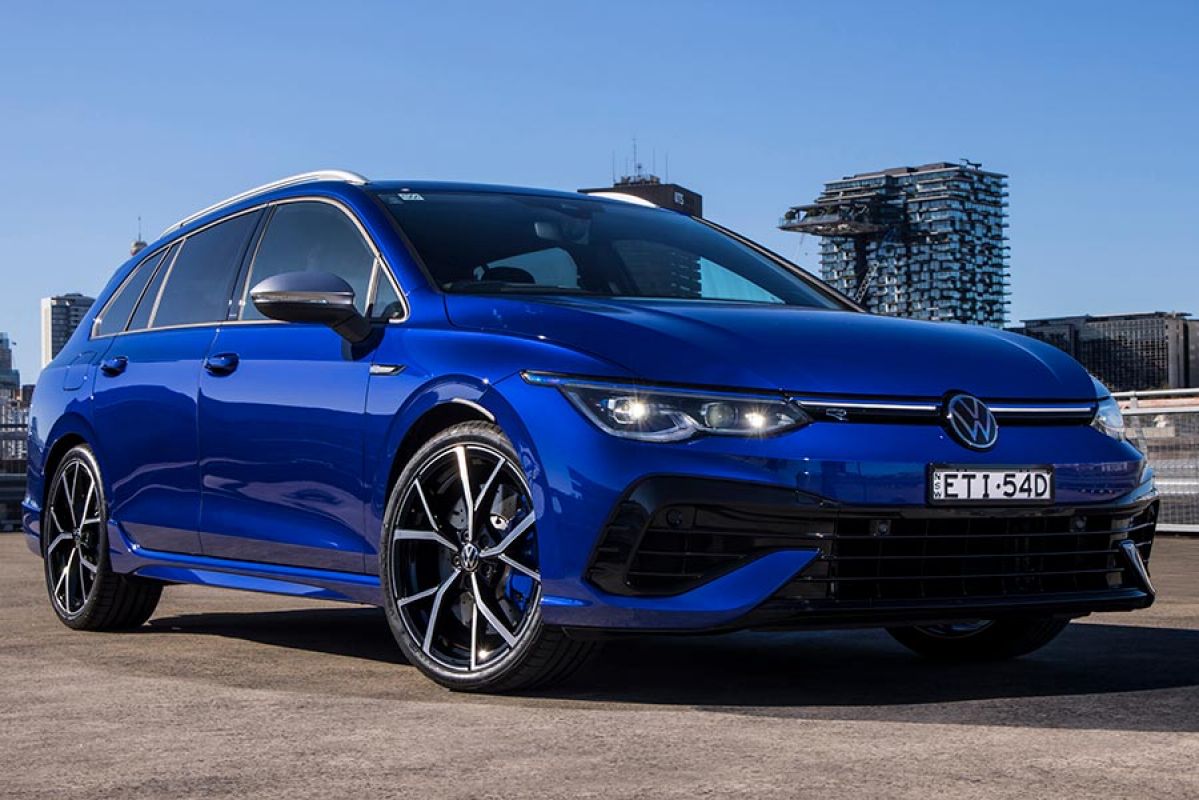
(84, 591)
(459, 567)
(980, 640)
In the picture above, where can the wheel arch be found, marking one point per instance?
(438, 406)
(70, 432)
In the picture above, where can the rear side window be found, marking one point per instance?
(116, 314)
(199, 283)
(312, 236)
(141, 317)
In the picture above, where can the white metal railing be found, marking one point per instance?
(1164, 424)
(1159, 401)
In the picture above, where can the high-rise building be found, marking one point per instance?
(61, 315)
(10, 378)
(1158, 350)
(925, 242)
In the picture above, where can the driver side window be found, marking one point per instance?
(311, 236)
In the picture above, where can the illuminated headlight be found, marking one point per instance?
(1108, 419)
(668, 415)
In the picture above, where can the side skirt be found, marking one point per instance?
(257, 577)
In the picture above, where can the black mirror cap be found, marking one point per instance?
(312, 297)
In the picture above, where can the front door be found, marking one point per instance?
(282, 408)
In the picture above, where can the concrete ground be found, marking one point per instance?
(230, 694)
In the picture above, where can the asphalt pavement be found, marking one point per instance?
(227, 694)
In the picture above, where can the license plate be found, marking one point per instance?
(989, 485)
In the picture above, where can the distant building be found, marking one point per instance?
(10, 378)
(651, 188)
(925, 242)
(1158, 350)
(27, 395)
(61, 315)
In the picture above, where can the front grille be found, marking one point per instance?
(881, 560)
(666, 545)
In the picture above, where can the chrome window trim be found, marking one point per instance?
(166, 278)
(380, 261)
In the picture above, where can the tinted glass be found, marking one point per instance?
(387, 303)
(312, 237)
(116, 314)
(493, 242)
(201, 279)
(141, 317)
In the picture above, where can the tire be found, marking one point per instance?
(437, 561)
(84, 591)
(983, 640)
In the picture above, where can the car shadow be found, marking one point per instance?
(352, 631)
(1095, 675)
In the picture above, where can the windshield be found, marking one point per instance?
(490, 242)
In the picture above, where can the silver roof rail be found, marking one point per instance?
(303, 177)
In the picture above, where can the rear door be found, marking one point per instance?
(282, 407)
(162, 323)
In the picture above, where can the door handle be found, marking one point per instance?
(114, 365)
(221, 363)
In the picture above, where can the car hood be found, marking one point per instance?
(808, 351)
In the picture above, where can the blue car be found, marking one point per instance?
(524, 421)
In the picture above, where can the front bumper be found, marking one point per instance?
(825, 479)
(685, 553)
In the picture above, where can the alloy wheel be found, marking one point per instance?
(73, 531)
(463, 561)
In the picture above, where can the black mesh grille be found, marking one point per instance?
(871, 557)
(880, 560)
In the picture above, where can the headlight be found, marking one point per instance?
(654, 414)
(1108, 419)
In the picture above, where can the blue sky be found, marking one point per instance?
(109, 111)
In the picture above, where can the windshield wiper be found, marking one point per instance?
(506, 287)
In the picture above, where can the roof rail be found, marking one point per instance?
(303, 177)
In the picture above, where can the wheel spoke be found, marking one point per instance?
(433, 614)
(474, 635)
(65, 580)
(487, 485)
(412, 598)
(425, 504)
(488, 615)
(71, 495)
(92, 568)
(519, 567)
(511, 537)
(63, 575)
(62, 537)
(54, 518)
(467, 497)
(406, 534)
(82, 582)
(87, 501)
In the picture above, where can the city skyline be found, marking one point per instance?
(1078, 104)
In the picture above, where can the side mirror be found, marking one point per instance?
(319, 297)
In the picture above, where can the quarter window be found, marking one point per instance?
(116, 314)
(141, 317)
(200, 281)
(312, 237)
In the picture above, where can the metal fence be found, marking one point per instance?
(1165, 426)
(12, 466)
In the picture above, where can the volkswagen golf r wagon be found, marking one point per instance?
(521, 421)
